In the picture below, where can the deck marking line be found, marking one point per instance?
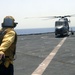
(41, 68)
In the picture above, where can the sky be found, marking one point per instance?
(20, 9)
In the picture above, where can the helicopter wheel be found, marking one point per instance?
(72, 33)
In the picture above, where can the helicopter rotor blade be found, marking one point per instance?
(44, 18)
(69, 15)
(51, 17)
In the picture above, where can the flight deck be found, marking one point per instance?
(43, 54)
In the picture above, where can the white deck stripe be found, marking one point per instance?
(41, 68)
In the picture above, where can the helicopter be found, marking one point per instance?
(61, 25)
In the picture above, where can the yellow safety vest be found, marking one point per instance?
(8, 45)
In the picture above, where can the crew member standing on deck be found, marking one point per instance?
(7, 46)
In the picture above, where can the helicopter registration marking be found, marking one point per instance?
(41, 68)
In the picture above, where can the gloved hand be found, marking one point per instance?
(2, 55)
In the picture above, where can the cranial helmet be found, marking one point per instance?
(9, 22)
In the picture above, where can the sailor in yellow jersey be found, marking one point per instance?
(8, 46)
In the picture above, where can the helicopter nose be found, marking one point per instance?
(59, 27)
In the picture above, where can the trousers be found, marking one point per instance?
(6, 70)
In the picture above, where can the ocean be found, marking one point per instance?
(36, 30)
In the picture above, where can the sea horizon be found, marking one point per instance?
(37, 30)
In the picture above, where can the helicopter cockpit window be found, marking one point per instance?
(59, 23)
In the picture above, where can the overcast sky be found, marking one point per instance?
(20, 9)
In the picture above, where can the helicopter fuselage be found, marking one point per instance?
(61, 27)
